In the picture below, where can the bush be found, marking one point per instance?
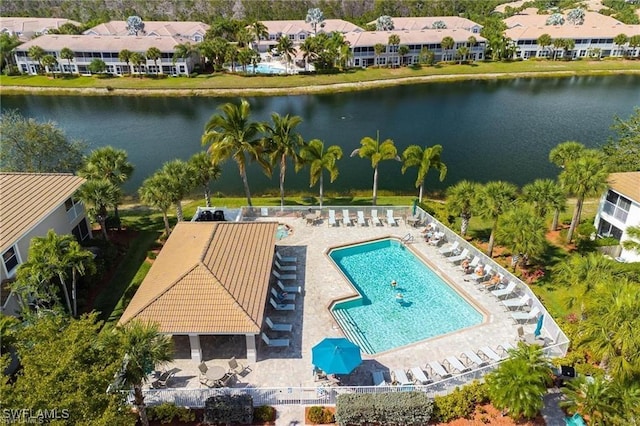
(460, 403)
(320, 415)
(398, 408)
(229, 409)
(152, 254)
(167, 412)
(264, 413)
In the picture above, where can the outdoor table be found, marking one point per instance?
(412, 221)
(311, 218)
(215, 373)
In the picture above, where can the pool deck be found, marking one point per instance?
(322, 283)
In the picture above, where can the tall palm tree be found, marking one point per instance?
(81, 262)
(155, 192)
(111, 164)
(591, 398)
(403, 50)
(378, 50)
(232, 134)
(204, 171)
(620, 40)
(545, 195)
(138, 60)
(98, 194)
(461, 199)
(153, 53)
(309, 49)
(66, 53)
(633, 243)
(184, 51)
(314, 17)
(496, 198)
(145, 349)
(49, 62)
(393, 42)
(180, 183)
(37, 53)
(283, 142)
(447, 43)
(543, 41)
(377, 151)
(462, 53)
(583, 177)
(259, 31)
(522, 231)
(319, 160)
(286, 49)
(423, 159)
(125, 56)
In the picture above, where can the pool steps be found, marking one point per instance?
(351, 330)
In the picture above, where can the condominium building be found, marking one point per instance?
(194, 31)
(298, 31)
(26, 28)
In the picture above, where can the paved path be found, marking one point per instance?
(551, 412)
(289, 415)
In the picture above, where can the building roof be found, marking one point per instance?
(29, 27)
(151, 28)
(529, 18)
(299, 26)
(371, 38)
(426, 22)
(28, 198)
(79, 43)
(627, 184)
(209, 278)
(571, 31)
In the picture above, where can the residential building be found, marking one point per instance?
(298, 30)
(619, 209)
(194, 31)
(433, 22)
(30, 205)
(27, 28)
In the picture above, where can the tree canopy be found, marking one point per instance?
(623, 151)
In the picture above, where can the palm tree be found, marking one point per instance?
(232, 134)
(314, 17)
(319, 160)
(111, 164)
(522, 231)
(496, 198)
(462, 53)
(81, 262)
(377, 152)
(633, 243)
(423, 159)
(566, 152)
(98, 194)
(153, 53)
(543, 41)
(36, 53)
(461, 199)
(137, 60)
(545, 195)
(8, 43)
(309, 51)
(620, 40)
(471, 43)
(583, 177)
(180, 183)
(259, 31)
(125, 56)
(378, 50)
(592, 398)
(393, 42)
(283, 142)
(447, 44)
(66, 53)
(403, 51)
(155, 192)
(184, 51)
(49, 62)
(285, 48)
(145, 349)
(204, 171)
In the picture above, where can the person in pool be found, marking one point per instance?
(394, 283)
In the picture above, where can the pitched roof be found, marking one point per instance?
(627, 184)
(299, 26)
(209, 278)
(571, 31)
(529, 18)
(426, 22)
(370, 38)
(27, 198)
(89, 43)
(29, 27)
(151, 28)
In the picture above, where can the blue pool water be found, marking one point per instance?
(379, 321)
(264, 69)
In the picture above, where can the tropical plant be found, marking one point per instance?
(153, 53)
(494, 200)
(111, 164)
(98, 194)
(427, 56)
(439, 25)
(403, 50)
(125, 56)
(522, 231)
(583, 177)
(377, 151)
(155, 192)
(286, 49)
(423, 159)
(8, 42)
(462, 53)
(623, 152)
(259, 31)
(204, 171)
(384, 23)
(544, 41)
(545, 195)
(378, 50)
(137, 60)
(447, 43)
(319, 160)
(97, 66)
(232, 134)
(66, 53)
(283, 142)
(555, 19)
(314, 17)
(181, 182)
(620, 40)
(633, 243)
(134, 25)
(145, 349)
(184, 51)
(393, 42)
(576, 16)
(565, 153)
(461, 200)
(50, 62)
(596, 398)
(37, 53)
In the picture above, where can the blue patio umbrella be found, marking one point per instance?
(415, 206)
(538, 330)
(336, 356)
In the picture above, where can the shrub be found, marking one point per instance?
(152, 254)
(399, 408)
(229, 409)
(167, 412)
(316, 414)
(460, 403)
(264, 413)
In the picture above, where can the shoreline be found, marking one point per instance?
(303, 90)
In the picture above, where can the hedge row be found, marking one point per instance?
(401, 408)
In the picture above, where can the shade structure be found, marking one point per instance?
(538, 329)
(336, 356)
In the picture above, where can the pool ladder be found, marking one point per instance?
(407, 238)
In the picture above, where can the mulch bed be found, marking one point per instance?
(489, 415)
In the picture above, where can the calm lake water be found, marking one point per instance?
(489, 129)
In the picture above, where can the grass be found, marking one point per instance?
(263, 85)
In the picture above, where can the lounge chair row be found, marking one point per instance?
(360, 219)
(279, 298)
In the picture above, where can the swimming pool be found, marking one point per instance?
(379, 321)
(264, 69)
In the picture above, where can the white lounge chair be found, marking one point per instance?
(517, 302)
(278, 326)
(361, 220)
(489, 354)
(449, 248)
(435, 368)
(472, 358)
(526, 316)
(289, 297)
(504, 348)
(288, 289)
(332, 218)
(472, 265)
(346, 218)
(275, 343)
(454, 364)
(390, 219)
(418, 376)
(511, 287)
(479, 278)
(378, 378)
(399, 377)
(264, 211)
(374, 218)
(460, 257)
(285, 259)
(283, 276)
(285, 267)
(282, 306)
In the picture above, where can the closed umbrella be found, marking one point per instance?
(538, 329)
(336, 356)
(415, 206)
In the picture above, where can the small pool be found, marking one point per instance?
(264, 69)
(421, 305)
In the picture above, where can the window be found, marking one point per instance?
(10, 259)
(292, 36)
(605, 229)
(81, 231)
(617, 206)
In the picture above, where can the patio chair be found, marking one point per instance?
(332, 218)
(454, 363)
(361, 220)
(282, 306)
(225, 381)
(378, 378)
(478, 278)
(449, 248)
(275, 343)
(285, 259)
(511, 288)
(489, 354)
(459, 258)
(203, 375)
(288, 289)
(285, 267)
(375, 219)
(278, 326)
(399, 377)
(390, 219)
(418, 376)
(346, 218)
(472, 358)
(496, 280)
(283, 276)
(471, 266)
(282, 297)
(161, 382)
(526, 316)
(236, 367)
(436, 369)
(517, 302)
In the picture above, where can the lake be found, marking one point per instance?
(490, 130)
